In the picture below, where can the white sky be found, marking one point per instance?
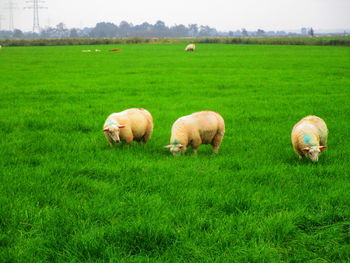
(224, 15)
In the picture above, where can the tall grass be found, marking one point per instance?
(317, 41)
(66, 196)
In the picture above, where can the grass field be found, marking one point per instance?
(66, 196)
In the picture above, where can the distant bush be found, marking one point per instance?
(319, 41)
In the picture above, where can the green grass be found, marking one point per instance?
(66, 196)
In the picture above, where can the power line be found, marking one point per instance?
(35, 6)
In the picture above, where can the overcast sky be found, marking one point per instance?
(224, 15)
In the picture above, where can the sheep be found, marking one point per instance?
(86, 50)
(0, 47)
(190, 47)
(97, 50)
(205, 127)
(130, 125)
(309, 137)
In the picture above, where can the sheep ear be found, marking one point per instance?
(306, 149)
(168, 146)
(105, 130)
(121, 126)
(322, 147)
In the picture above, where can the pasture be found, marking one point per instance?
(66, 196)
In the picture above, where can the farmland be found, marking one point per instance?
(66, 196)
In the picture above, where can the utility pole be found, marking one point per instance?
(35, 6)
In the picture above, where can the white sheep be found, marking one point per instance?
(205, 127)
(190, 47)
(309, 137)
(86, 50)
(97, 50)
(134, 124)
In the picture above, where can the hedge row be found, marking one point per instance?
(321, 41)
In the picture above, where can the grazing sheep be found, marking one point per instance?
(130, 125)
(309, 137)
(190, 47)
(0, 47)
(86, 50)
(205, 127)
(97, 50)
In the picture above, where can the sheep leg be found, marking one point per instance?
(148, 132)
(146, 137)
(128, 137)
(216, 142)
(195, 144)
(128, 140)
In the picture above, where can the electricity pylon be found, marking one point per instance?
(35, 6)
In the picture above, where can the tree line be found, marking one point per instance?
(124, 29)
(144, 30)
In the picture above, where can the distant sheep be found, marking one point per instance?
(86, 50)
(130, 125)
(97, 50)
(190, 47)
(116, 49)
(205, 127)
(309, 137)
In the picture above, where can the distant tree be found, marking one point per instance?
(260, 32)
(146, 27)
(311, 32)
(46, 32)
(61, 30)
(303, 31)
(159, 25)
(73, 33)
(161, 30)
(17, 33)
(281, 33)
(124, 29)
(34, 35)
(104, 30)
(53, 32)
(244, 32)
(143, 30)
(5, 34)
(179, 31)
(230, 33)
(193, 30)
(85, 32)
(206, 31)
